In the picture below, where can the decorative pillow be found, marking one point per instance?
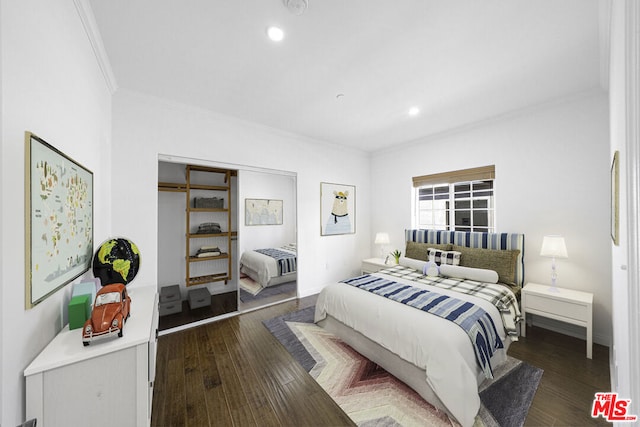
(503, 262)
(444, 257)
(417, 250)
(431, 269)
(477, 274)
(412, 263)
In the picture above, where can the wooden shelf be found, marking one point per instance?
(200, 280)
(172, 187)
(208, 258)
(208, 187)
(209, 183)
(207, 209)
(206, 236)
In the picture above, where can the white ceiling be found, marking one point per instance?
(459, 61)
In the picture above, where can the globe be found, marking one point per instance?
(116, 261)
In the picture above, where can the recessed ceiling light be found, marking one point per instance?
(414, 111)
(276, 34)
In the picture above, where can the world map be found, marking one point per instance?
(61, 220)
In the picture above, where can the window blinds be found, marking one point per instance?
(472, 174)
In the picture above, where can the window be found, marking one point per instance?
(459, 200)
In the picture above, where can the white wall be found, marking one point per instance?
(52, 86)
(552, 177)
(261, 185)
(145, 128)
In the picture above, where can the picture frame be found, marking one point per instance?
(58, 219)
(337, 209)
(615, 198)
(263, 212)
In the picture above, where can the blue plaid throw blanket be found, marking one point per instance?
(286, 261)
(476, 322)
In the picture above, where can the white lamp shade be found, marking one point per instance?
(382, 239)
(554, 247)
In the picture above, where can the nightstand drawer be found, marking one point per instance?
(561, 308)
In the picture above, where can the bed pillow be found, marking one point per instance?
(444, 257)
(503, 262)
(416, 264)
(470, 273)
(431, 269)
(417, 250)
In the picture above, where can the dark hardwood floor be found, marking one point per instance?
(570, 381)
(233, 372)
(220, 304)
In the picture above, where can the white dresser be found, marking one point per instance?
(107, 383)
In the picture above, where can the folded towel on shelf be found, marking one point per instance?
(209, 228)
(207, 251)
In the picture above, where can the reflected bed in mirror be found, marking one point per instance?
(268, 274)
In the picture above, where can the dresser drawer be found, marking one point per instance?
(571, 310)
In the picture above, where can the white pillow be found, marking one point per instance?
(416, 264)
(431, 269)
(477, 274)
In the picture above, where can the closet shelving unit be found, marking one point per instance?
(191, 189)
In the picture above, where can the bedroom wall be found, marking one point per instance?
(145, 127)
(51, 85)
(264, 185)
(552, 177)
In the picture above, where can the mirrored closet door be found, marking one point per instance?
(226, 240)
(267, 244)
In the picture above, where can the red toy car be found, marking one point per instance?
(110, 311)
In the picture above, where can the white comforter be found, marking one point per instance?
(265, 266)
(438, 346)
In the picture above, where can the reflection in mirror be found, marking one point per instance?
(267, 247)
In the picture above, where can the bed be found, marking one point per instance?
(270, 266)
(431, 354)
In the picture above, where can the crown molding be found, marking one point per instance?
(91, 28)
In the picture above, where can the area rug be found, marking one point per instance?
(373, 397)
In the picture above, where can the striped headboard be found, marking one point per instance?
(499, 241)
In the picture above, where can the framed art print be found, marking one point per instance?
(59, 219)
(337, 209)
(262, 212)
(615, 198)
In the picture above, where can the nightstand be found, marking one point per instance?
(372, 265)
(565, 305)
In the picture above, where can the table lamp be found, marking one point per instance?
(382, 239)
(553, 247)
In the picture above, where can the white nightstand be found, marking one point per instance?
(566, 305)
(372, 265)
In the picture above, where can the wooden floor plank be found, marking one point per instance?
(234, 395)
(196, 404)
(217, 407)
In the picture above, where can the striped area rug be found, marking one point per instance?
(373, 397)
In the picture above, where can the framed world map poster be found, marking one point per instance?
(59, 219)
